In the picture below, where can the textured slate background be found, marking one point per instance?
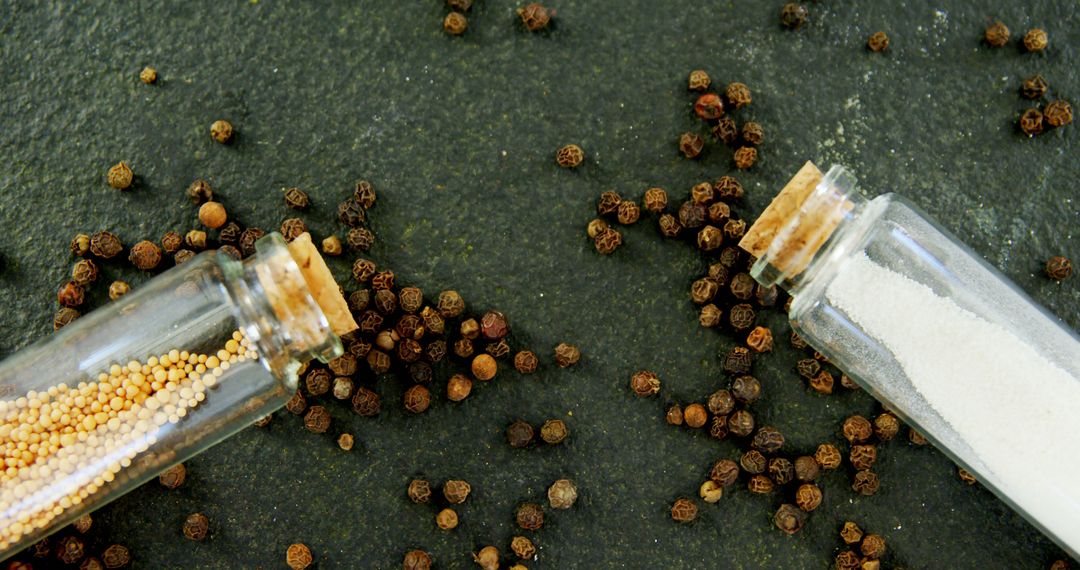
(458, 136)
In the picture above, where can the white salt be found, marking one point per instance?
(1017, 412)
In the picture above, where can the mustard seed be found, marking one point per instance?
(221, 131)
(562, 494)
(148, 75)
(698, 80)
(298, 556)
(145, 255)
(196, 527)
(456, 491)
(570, 156)
(455, 23)
(534, 16)
(120, 176)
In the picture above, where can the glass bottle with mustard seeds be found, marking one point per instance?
(195, 355)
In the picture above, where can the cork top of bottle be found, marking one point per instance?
(321, 284)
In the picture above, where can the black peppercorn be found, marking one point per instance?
(873, 546)
(628, 212)
(566, 355)
(317, 381)
(554, 431)
(790, 518)
(738, 94)
(781, 470)
(417, 399)
(865, 483)
(725, 472)
(1035, 40)
(753, 462)
(364, 194)
(607, 241)
(1058, 268)
(710, 316)
(199, 192)
(793, 16)
(64, 316)
(530, 516)
(734, 229)
(365, 402)
(690, 145)
(296, 198)
(196, 527)
(703, 290)
(742, 286)
(692, 215)
(760, 484)
(698, 80)
(808, 497)
(709, 238)
(351, 212)
(719, 212)
(828, 456)
(857, 429)
(741, 423)
(419, 491)
(608, 203)
(360, 239)
(70, 294)
(569, 156)
(526, 362)
(862, 456)
(738, 360)
(105, 245)
(410, 299)
(1058, 113)
(684, 511)
(741, 316)
(519, 434)
(806, 468)
(752, 133)
(718, 428)
(644, 383)
(247, 240)
(768, 440)
(1031, 122)
(655, 200)
(726, 130)
(534, 16)
(886, 426)
(297, 404)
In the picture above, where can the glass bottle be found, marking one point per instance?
(109, 401)
(931, 330)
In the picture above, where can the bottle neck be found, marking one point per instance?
(275, 308)
(812, 234)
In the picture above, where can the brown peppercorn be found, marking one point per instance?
(447, 519)
(80, 245)
(487, 558)
(720, 403)
(230, 251)
(741, 423)
(195, 239)
(710, 316)
(760, 485)
(346, 441)
(360, 239)
(695, 415)
(726, 131)
(105, 245)
(84, 273)
(742, 286)
(417, 398)
(351, 213)
(746, 389)
(148, 75)
(196, 527)
(742, 316)
(382, 280)
(331, 246)
(753, 134)
(120, 176)
(886, 426)
(709, 107)
(566, 355)
(822, 383)
(83, 523)
(247, 240)
(1034, 87)
(857, 429)
(684, 510)
(295, 198)
(728, 188)
(828, 456)
(344, 365)
(534, 16)
(455, 23)
(296, 404)
(719, 212)
(790, 518)
(525, 362)
(530, 516)
(878, 42)
(847, 560)
(691, 145)
(456, 491)
(263, 421)
(64, 317)
(851, 533)
(363, 270)
(317, 380)
(703, 290)
(522, 547)
(966, 476)
(669, 226)
(865, 482)
(644, 383)
(808, 497)
(760, 339)
(70, 550)
(738, 94)
(298, 556)
(1035, 40)
(768, 440)
(570, 156)
(698, 80)
(655, 200)
(608, 203)
(806, 468)
(562, 494)
(692, 214)
(793, 16)
(70, 294)
(1059, 565)
(808, 367)
(317, 419)
(607, 241)
(1058, 113)
(1058, 268)
(745, 157)
(199, 192)
(862, 456)
(595, 227)
(419, 491)
(291, 228)
(1031, 122)
(674, 415)
(493, 325)
(734, 229)
(458, 388)
(171, 242)
(145, 255)
(553, 432)
(781, 470)
(709, 238)
(873, 546)
(484, 367)
(173, 477)
(221, 131)
(725, 472)
(116, 556)
(519, 434)
(753, 462)
(416, 560)
(628, 213)
(718, 428)
(212, 215)
(364, 193)
(738, 360)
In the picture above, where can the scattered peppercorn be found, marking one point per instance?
(120, 176)
(64, 316)
(519, 434)
(628, 213)
(105, 245)
(456, 491)
(1035, 40)
(692, 214)
(847, 560)
(691, 145)
(695, 415)
(116, 556)
(738, 359)
(298, 556)
(725, 472)
(608, 203)
(710, 316)
(738, 94)
(752, 133)
(416, 560)
(196, 526)
(709, 238)
(781, 470)
(886, 426)
(296, 404)
(1058, 268)
(80, 245)
(458, 388)
(148, 75)
(760, 339)
(447, 519)
(916, 437)
(1031, 122)
(70, 294)
(655, 200)
(808, 497)
(1034, 87)
(212, 215)
(570, 156)
(83, 523)
(419, 491)
(760, 485)
(865, 482)
(709, 107)
(857, 429)
(726, 130)
(346, 441)
(806, 468)
(822, 382)
(699, 80)
(745, 157)
(790, 518)
(966, 476)
(997, 34)
(487, 558)
(455, 23)
(199, 192)
(878, 42)
(793, 16)
(746, 389)
(644, 383)
(768, 440)
(851, 533)
(684, 510)
(317, 419)
(720, 403)
(862, 456)
(530, 516)
(145, 255)
(607, 241)
(566, 355)
(873, 546)
(221, 131)
(195, 239)
(1058, 113)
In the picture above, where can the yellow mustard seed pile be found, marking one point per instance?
(62, 445)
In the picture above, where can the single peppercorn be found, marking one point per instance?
(745, 157)
(742, 286)
(746, 389)
(655, 200)
(865, 482)
(695, 415)
(728, 188)
(760, 339)
(966, 476)
(148, 75)
(822, 382)
(292, 228)
(710, 316)
(553, 432)
(709, 107)
(878, 42)
(691, 145)
(331, 246)
(710, 491)
(70, 294)
(768, 440)
(484, 367)
(105, 245)
(458, 388)
(684, 510)
(351, 212)
(886, 426)
(808, 497)
(760, 485)
(781, 470)
(419, 491)
(1058, 113)
(212, 215)
(84, 273)
(296, 404)
(753, 462)
(317, 381)
(519, 434)
(83, 523)
(628, 212)
(346, 441)
(1034, 87)
(195, 239)
(70, 550)
(738, 360)
(199, 192)
(1035, 40)
(718, 428)
(644, 383)
(873, 546)
(608, 203)
(669, 226)
(562, 494)
(738, 94)
(455, 23)
(363, 270)
(698, 80)
(566, 355)
(692, 214)
(862, 456)
(720, 403)
(790, 518)
(808, 367)
(1058, 268)
(120, 176)
(456, 491)
(525, 362)
(703, 290)
(674, 415)
(530, 516)
(447, 519)
(295, 198)
(793, 16)
(64, 316)
(847, 560)
(766, 296)
(828, 456)
(709, 238)
(196, 527)
(298, 556)
(171, 242)
(734, 229)
(80, 245)
(459, 5)
(522, 547)
(806, 468)
(247, 240)
(725, 472)
(752, 133)
(857, 429)
(145, 255)
(116, 556)
(607, 241)
(487, 558)
(726, 131)
(317, 419)
(1031, 122)
(534, 16)
(221, 131)
(416, 560)
(364, 193)
(595, 227)
(741, 423)
(719, 212)
(851, 533)
(570, 156)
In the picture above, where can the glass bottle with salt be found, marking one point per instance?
(934, 332)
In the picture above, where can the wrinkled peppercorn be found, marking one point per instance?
(195, 239)
(857, 429)
(317, 419)
(297, 404)
(674, 415)
(710, 316)
(554, 432)
(221, 131)
(781, 470)
(105, 245)
(455, 23)
(745, 157)
(753, 462)
(364, 194)
(199, 192)
(566, 355)
(862, 456)
(741, 423)
(851, 533)
(607, 241)
(70, 550)
(291, 228)
(534, 16)
(760, 339)
(608, 203)
(116, 556)
(734, 229)
(84, 272)
(628, 213)
(746, 389)
(808, 367)
(83, 523)
(847, 560)
(742, 316)
(317, 381)
(760, 485)
(703, 290)
(351, 213)
(1031, 122)
(145, 255)
(1035, 40)
(684, 510)
(709, 238)
(120, 176)
(690, 144)
(873, 546)
(738, 360)
(70, 295)
(416, 560)
(419, 491)
(173, 477)
(886, 426)
(296, 198)
(797, 341)
(865, 482)
(570, 156)
(64, 316)
(365, 402)
(725, 472)
(525, 362)
(1034, 87)
(806, 468)
(562, 494)
(1058, 113)
(644, 383)
(196, 526)
(718, 427)
(148, 75)
(828, 456)
(790, 518)
(456, 491)
(738, 94)
(752, 133)
(522, 547)
(80, 245)
(669, 226)
(822, 383)
(966, 476)
(768, 440)
(1058, 268)
(878, 42)
(808, 497)
(709, 107)
(655, 200)
(719, 212)
(360, 239)
(742, 286)
(519, 434)
(695, 415)
(793, 16)
(530, 516)
(487, 558)
(720, 402)
(726, 131)
(417, 399)
(692, 214)
(247, 240)
(698, 80)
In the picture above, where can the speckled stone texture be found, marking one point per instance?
(458, 135)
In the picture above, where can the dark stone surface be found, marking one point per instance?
(458, 135)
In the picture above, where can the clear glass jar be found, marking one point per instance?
(111, 400)
(939, 336)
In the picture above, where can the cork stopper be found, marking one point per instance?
(321, 284)
(792, 228)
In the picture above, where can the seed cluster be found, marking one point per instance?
(864, 551)
(1052, 114)
(710, 107)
